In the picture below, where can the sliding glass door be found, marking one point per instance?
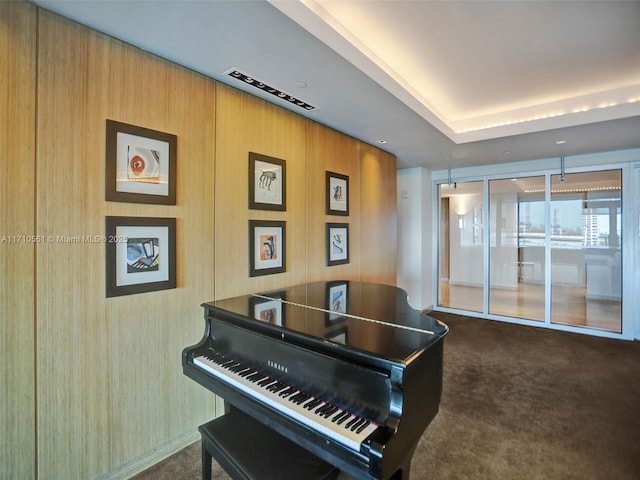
(517, 253)
(461, 264)
(586, 253)
(550, 253)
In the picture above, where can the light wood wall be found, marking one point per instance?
(109, 376)
(328, 150)
(379, 241)
(17, 253)
(96, 384)
(247, 124)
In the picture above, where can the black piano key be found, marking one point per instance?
(301, 398)
(255, 376)
(363, 426)
(330, 411)
(312, 403)
(266, 381)
(357, 424)
(345, 417)
(287, 391)
(351, 422)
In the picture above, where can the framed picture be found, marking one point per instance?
(267, 251)
(267, 183)
(268, 310)
(141, 255)
(140, 165)
(337, 243)
(336, 301)
(337, 194)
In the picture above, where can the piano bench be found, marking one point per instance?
(249, 450)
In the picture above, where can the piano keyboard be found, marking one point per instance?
(331, 421)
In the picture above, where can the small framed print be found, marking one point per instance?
(268, 310)
(267, 253)
(140, 256)
(337, 301)
(140, 165)
(337, 243)
(337, 194)
(267, 183)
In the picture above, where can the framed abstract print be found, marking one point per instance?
(140, 165)
(267, 252)
(337, 243)
(140, 255)
(337, 194)
(267, 183)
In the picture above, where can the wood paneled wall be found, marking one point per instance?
(95, 384)
(328, 150)
(17, 253)
(247, 124)
(379, 241)
(109, 376)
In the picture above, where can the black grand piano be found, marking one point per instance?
(348, 370)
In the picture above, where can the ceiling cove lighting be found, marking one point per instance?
(233, 73)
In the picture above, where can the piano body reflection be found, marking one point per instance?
(348, 370)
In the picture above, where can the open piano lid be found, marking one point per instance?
(370, 318)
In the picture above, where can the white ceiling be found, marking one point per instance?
(446, 83)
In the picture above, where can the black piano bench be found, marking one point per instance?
(249, 450)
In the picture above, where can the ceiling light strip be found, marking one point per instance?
(243, 77)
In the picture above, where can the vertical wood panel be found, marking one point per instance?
(110, 383)
(17, 197)
(379, 237)
(329, 150)
(247, 124)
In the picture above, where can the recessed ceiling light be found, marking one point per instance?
(301, 84)
(560, 142)
(382, 142)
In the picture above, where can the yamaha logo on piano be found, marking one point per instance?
(277, 366)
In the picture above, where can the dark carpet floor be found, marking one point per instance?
(518, 403)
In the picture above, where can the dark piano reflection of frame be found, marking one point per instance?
(338, 335)
(268, 310)
(337, 296)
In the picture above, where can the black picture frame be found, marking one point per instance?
(337, 194)
(267, 247)
(337, 243)
(140, 255)
(267, 183)
(140, 164)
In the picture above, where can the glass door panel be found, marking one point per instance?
(586, 263)
(517, 247)
(461, 248)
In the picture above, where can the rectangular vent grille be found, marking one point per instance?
(269, 89)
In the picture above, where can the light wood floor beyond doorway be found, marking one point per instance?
(569, 305)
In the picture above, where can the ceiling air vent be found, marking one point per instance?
(269, 89)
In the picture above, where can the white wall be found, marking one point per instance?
(415, 254)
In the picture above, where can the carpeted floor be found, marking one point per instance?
(518, 403)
